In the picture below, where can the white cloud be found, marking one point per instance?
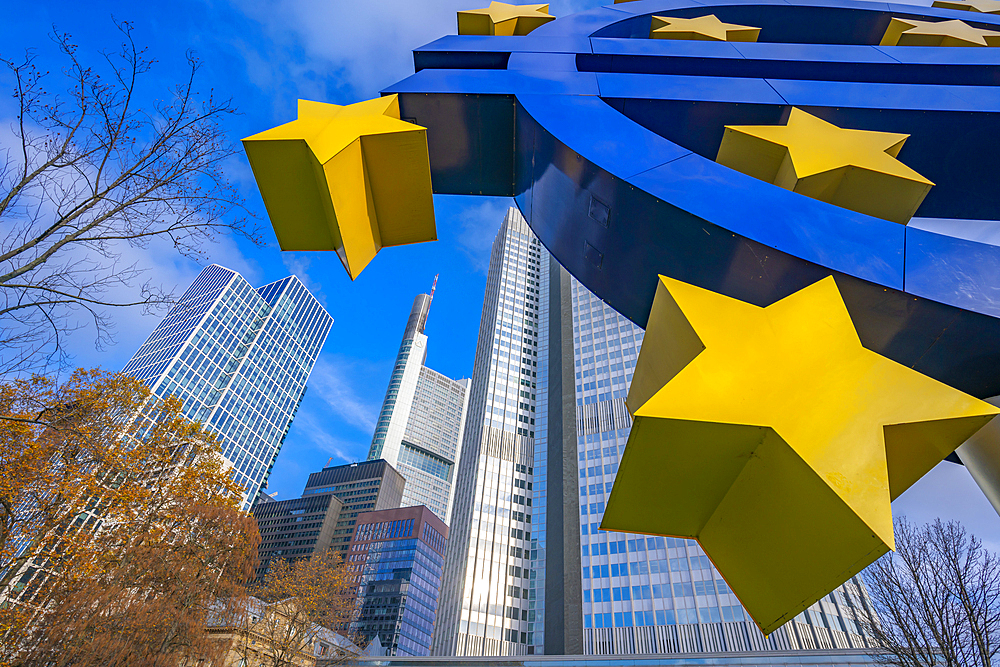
(335, 379)
(317, 433)
(478, 225)
(365, 45)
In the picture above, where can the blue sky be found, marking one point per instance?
(265, 54)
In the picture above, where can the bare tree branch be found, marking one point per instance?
(96, 172)
(936, 601)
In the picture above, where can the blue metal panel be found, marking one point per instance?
(582, 24)
(507, 44)
(688, 88)
(888, 96)
(624, 149)
(497, 82)
(952, 270)
(552, 62)
(677, 48)
(827, 235)
(605, 119)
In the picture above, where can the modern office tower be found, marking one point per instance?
(423, 416)
(551, 582)
(361, 487)
(296, 528)
(238, 357)
(398, 555)
(485, 599)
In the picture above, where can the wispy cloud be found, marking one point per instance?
(320, 437)
(356, 48)
(478, 224)
(298, 264)
(335, 379)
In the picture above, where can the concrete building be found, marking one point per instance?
(420, 426)
(360, 487)
(398, 556)
(295, 528)
(239, 358)
(324, 516)
(528, 571)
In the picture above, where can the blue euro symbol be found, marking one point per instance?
(607, 141)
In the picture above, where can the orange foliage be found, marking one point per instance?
(120, 528)
(297, 605)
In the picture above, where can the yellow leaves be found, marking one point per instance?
(118, 516)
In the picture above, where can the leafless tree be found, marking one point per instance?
(936, 600)
(91, 173)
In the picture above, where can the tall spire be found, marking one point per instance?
(434, 286)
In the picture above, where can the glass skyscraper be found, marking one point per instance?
(238, 358)
(420, 427)
(397, 555)
(485, 605)
(528, 570)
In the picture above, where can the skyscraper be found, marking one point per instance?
(239, 359)
(485, 597)
(423, 416)
(296, 528)
(527, 569)
(324, 516)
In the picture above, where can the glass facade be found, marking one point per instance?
(238, 358)
(487, 604)
(398, 556)
(422, 420)
(820, 658)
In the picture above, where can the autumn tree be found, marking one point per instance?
(101, 165)
(121, 535)
(935, 601)
(298, 604)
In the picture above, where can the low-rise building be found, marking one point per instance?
(398, 556)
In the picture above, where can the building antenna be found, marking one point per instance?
(427, 314)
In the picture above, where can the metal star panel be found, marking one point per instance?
(776, 440)
(978, 6)
(501, 18)
(705, 28)
(855, 169)
(352, 179)
(910, 32)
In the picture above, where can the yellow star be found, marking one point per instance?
(353, 179)
(708, 28)
(908, 32)
(503, 19)
(980, 6)
(776, 440)
(854, 169)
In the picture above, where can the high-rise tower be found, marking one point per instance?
(423, 416)
(238, 358)
(490, 597)
(527, 569)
